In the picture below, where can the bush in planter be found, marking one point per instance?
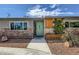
(58, 28)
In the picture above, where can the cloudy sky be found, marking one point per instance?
(38, 10)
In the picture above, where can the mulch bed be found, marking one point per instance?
(59, 49)
(18, 43)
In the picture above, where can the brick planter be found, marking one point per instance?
(53, 36)
(15, 45)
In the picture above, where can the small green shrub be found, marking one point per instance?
(58, 28)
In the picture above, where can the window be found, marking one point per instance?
(66, 24)
(12, 26)
(18, 26)
(25, 26)
(74, 24)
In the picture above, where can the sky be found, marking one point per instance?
(38, 10)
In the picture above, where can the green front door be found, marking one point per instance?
(39, 28)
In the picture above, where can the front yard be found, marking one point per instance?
(58, 47)
(18, 43)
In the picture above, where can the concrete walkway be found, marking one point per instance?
(20, 51)
(39, 44)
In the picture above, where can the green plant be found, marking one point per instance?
(58, 28)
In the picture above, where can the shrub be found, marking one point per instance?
(58, 28)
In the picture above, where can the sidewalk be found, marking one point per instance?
(39, 44)
(20, 51)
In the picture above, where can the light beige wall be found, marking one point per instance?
(30, 26)
(70, 20)
(6, 25)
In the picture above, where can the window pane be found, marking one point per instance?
(74, 24)
(25, 26)
(12, 26)
(66, 24)
(18, 26)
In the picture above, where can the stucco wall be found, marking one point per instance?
(71, 20)
(5, 29)
(6, 25)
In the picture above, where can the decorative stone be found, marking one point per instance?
(4, 38)
(66, 44)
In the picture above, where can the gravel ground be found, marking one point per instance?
(16, 43)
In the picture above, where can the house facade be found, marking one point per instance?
(49, 24)
(16, 27)
(21, 27)
(69, 23)
(34, 27)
